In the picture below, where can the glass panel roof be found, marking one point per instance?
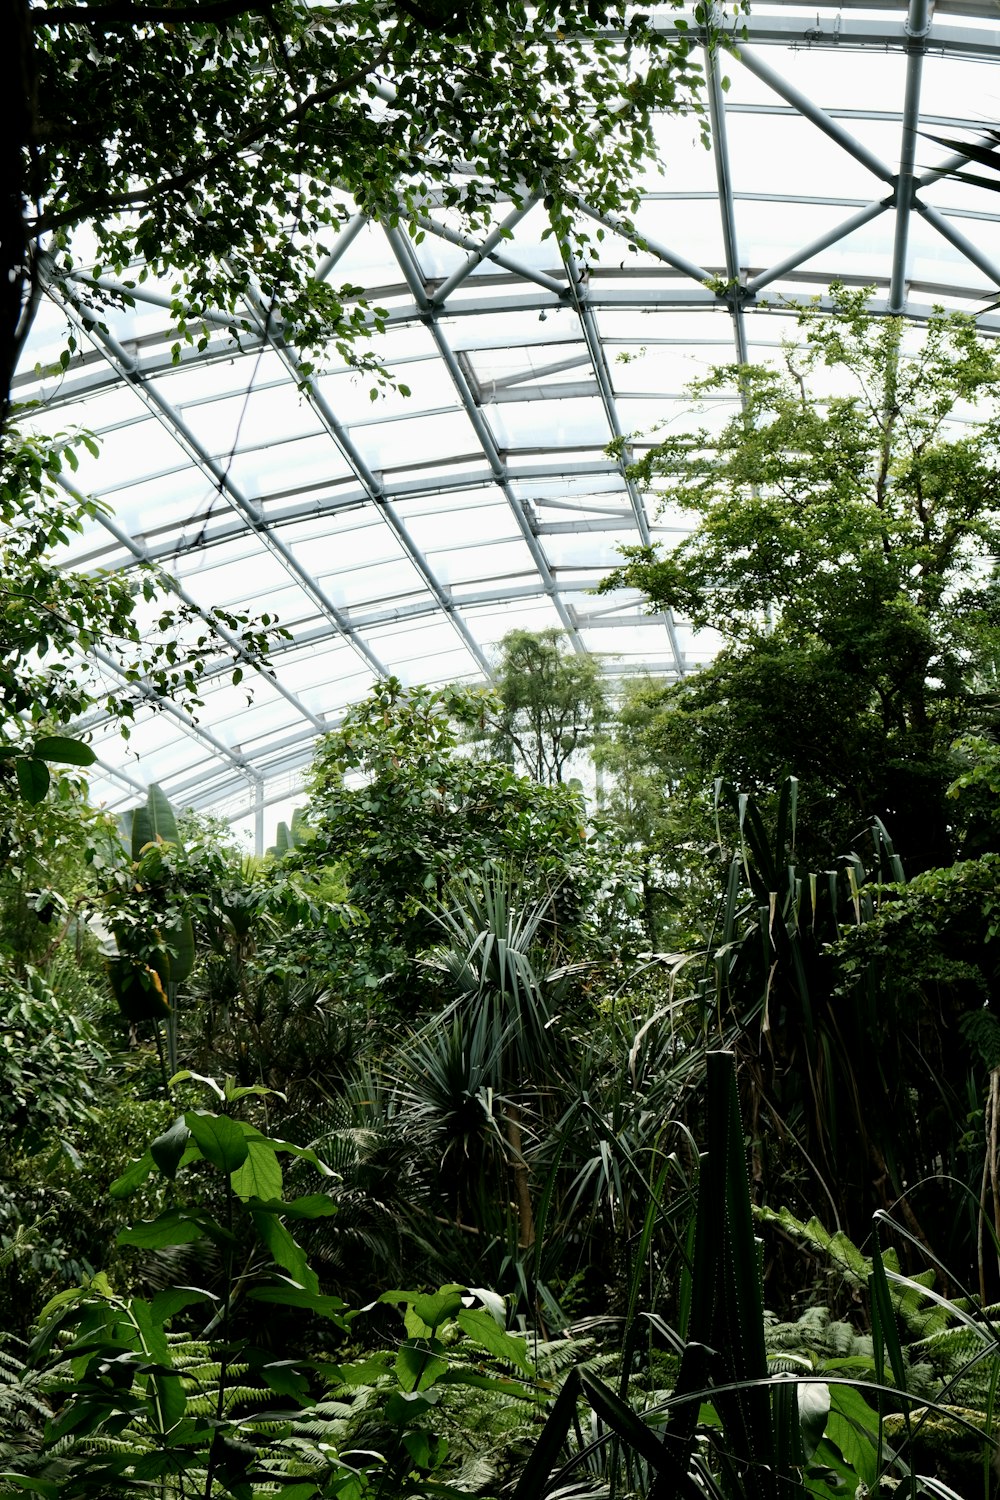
(407, 533)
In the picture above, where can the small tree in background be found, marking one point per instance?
(550, 703)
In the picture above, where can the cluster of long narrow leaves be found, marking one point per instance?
(847, 1080)
(739, 1423)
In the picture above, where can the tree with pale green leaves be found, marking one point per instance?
(549, 703)
(842, 547)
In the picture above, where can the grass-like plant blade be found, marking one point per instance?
(885, 1340)
(726, 1325)
(550, 1442)
(788, 1451)
(632, 1326)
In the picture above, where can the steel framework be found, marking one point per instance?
(408, 534)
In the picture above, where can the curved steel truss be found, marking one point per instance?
(407, 534)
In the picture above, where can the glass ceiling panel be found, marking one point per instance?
(596, 552)
(494, 563)
(483, 525)
(275, 414)
(524, 613)
(419, 438)
(555, 424)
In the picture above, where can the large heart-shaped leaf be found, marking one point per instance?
(220, 1140)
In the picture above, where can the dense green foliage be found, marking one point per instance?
(469, 1210)
(839, 548)
(217, 142)
(549, 705)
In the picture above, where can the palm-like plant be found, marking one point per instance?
(496, 1044)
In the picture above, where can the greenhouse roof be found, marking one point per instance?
(409, 533)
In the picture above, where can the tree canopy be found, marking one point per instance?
(841, 549)
(549, 704)
(216, 143)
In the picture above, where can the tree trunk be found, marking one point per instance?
(522, 1192)
(16, 89)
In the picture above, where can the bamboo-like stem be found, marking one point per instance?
(522, 1190)
(994, 1122)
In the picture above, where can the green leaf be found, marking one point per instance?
(154, 1340)
(232, 1093)
(171, 1398)
(814, 1408)
(133, 1177)
(305, 1153)
(284, 1250)
(32, 779)
(294, 1296)
(220, 1139)
(65, 751)
(309, 1206)
(179, 939)
(186, 1073)
(153, 823)
(173, 1298)
(418, 1367)
(169, 1147)
(286, 1379)
(438, 1307)
(403, 1406)
(46, 1487)
(260, 1175)
(426, 1449)
(481, 1327)
(493, 1303)
(173, 1227)
(851, 1428)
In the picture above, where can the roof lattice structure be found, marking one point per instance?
(408, 534)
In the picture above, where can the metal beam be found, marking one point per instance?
(165, 706)
(258, 821)
(843, 32)
(595, 347)
(488, 250)
(141, 554)
(231, 527)
(220, 479)
(917, 27)
(629, 232)
(145, 294)
(812, 112)
(734, 294)
(823, 242)
(375, 490)
(955, 237)
(345, 239)
(481, 428)
(116, 774)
